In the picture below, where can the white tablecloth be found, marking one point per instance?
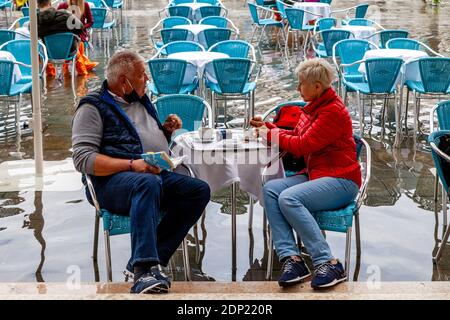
(409, 71)
(200, 59)
(195, 9)
(240, 162)
(195, 28)
(5, 55)
(22, 33)
(324, 9)
(360, 32)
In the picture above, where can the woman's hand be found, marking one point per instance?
(257, 122)
(172, 123)
(143, 167)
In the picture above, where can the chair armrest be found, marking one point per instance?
(92, 192)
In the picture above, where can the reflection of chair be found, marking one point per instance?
(191, 110)
(115, 224)
(341, 220)
(172, 76)
(439, 158)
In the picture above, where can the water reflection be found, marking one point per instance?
(35, 221)
(395, 217)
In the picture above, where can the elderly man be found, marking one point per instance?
(111, 129)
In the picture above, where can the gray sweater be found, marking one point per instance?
(87, 132)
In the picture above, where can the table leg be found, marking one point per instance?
(233, 230)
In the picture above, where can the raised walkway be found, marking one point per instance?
(225, 291)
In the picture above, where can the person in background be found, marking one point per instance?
(51, 21)
(331, 179)
(81, 10)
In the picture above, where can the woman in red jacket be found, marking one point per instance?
(324, 137)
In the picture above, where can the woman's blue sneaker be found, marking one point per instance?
(327, 275)
(293, 272)
(149, 284)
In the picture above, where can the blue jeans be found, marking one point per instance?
(144, 196)
(289, 203)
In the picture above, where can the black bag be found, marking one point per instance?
(287, 118)
(444, 146)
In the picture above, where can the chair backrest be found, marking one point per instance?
(325, 24)
(167, 74)
(6, 73)
(171, 34)
(210, 11)
(19, 23)
(171, 22)
(97, 3)
(233, 48)
(403, 43)
(6, 35)
(443, 115)
(209, 37)
(253, 13)
(382, 73)
(386, 35)
(435, 74)
(178, 2)
(361, 10)
(182, 46)
(350, 51)
(360, 22)
(232, 74)
(281, 8)
(295, 18)
(20, 49)
(180, 11)
(189, 108)
(434, 139)
(25, 11)
(59, 46)
(330, 37)
(219, 22)
(211, 2)
(326, 1)
(99, 16)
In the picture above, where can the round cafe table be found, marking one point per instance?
(225, 162)
(195, 29)
(319, 8)
(360, 32)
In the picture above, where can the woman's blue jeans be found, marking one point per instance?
(289, 202)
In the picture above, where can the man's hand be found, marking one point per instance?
(143, 167)
(257, 122)
(172, 123)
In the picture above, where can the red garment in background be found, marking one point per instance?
(86, 19)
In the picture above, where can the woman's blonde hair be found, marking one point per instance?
(316, 70)
(80, 4)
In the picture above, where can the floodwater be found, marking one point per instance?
(45, 236)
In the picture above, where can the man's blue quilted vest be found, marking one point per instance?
(120, 137)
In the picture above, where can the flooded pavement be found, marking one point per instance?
(47, 236)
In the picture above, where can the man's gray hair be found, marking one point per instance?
(121, 63)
